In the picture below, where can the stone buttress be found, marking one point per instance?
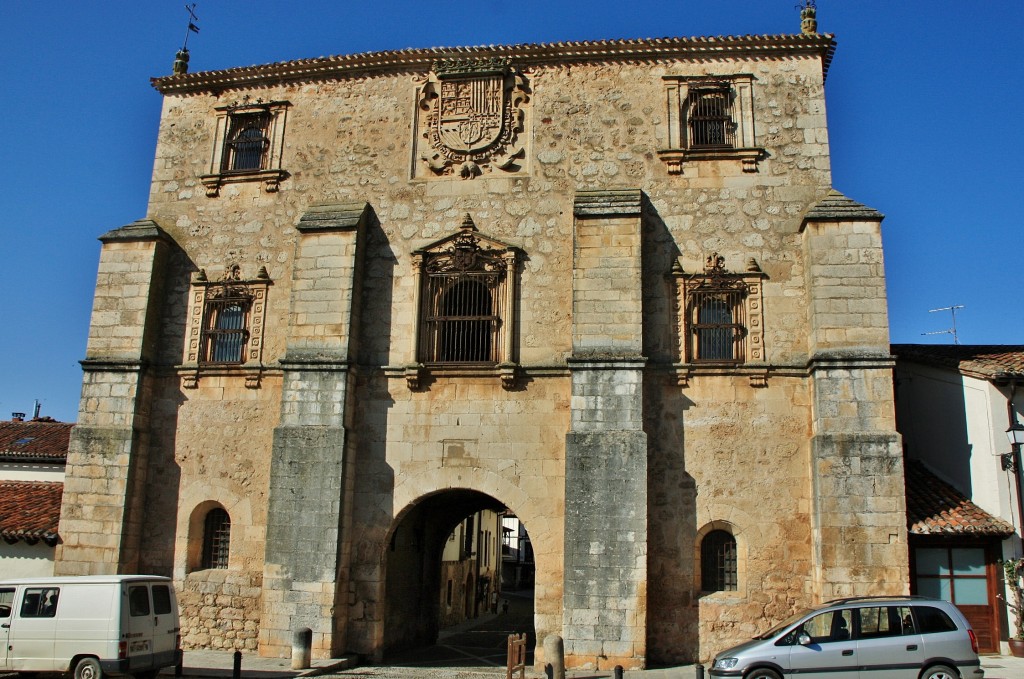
(104, 491)
(858, 504)
(605, 590)
(305, 575)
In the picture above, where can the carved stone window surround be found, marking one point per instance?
(272, 117)
(455, 276)
(202, 298)
(680, 94)
(745, 290)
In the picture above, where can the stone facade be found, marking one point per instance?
(573, 183)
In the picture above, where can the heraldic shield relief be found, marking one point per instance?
(471, 119)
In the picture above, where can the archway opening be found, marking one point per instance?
(459, 580)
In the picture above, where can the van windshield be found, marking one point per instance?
(782, 625)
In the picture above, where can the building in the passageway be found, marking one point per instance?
(607, 286)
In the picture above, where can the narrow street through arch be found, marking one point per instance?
(481, 642)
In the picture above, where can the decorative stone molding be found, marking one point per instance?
(203, 292)
(681, 147)
(470, 119)
(747, 287)
(270, 172)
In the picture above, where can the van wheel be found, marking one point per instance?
(88, 668)
(940, 672)
(764, 673)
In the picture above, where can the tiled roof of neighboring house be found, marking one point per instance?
(30, 511)
(936, 508)
(985, 361)
(34, 441)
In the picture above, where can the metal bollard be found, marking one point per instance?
(302, 648)
(698, 671)
(549, 671)
(236, 671)
(618, 672)
(179, 662)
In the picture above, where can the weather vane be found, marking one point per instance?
(181, 58)
(192, 19)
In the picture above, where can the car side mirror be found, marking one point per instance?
(804, 639)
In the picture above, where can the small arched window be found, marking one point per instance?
(718, 567)
(216, 538)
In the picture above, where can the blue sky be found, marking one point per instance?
(924, 114)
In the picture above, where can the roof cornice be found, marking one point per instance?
(336, 67)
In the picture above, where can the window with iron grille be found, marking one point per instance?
(718, 564)
(465, 300)
(721, 316)
(717, 322)
(710, 117)
(247, 141)
(216, 539)
(226, 325)
(248, 145)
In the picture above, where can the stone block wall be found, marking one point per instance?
(220, 609)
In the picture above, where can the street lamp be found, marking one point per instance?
(1016, 436)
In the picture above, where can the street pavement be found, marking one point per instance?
(218, 665)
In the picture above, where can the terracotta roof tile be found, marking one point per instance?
(936, 508)
(34, 441)
(30, 511)
(987, 361)
(326, 68)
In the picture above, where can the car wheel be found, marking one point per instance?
(762, 673)
(88, 668)
(940, 672)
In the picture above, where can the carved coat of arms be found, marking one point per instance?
(471, 117)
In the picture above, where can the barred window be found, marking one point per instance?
(226, 324)
(248, 145)
(216, 538)
(710, 117)
(718, 329)
(465, 300)
(718, 566)
(247, 142)
(720, 313)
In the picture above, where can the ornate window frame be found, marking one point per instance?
(684, 94)
(238, 119)
(466, 295)
(203, 333)
(742, 291)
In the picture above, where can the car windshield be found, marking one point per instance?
(782, 625)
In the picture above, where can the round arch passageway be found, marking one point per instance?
(436, 546)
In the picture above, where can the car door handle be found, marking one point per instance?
(6, 625)
(848, 652)
(911, 647)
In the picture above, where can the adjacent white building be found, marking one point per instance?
(954, 404)
(32, 458)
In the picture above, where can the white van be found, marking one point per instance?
(90, 625)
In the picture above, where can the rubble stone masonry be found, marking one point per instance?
(340, 454)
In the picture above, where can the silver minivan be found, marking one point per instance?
(893, 637)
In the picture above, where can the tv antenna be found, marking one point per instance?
(951, 331)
